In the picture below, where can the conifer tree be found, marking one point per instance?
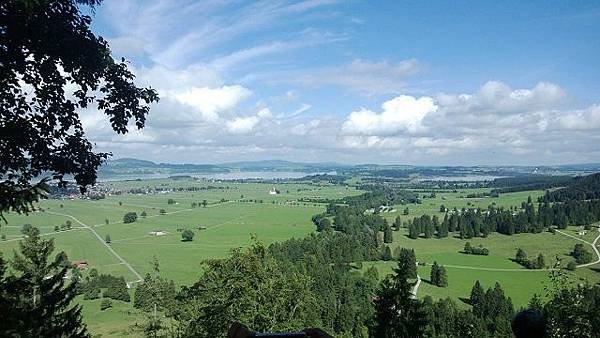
(388, 236)
(39, 295)
(397, 314)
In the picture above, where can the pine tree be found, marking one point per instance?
(397, 223)
(388, 236)
(442, 279)
(540, 262)
(40, 294)
(386, 253)
(397, 314)
(434, 274)
(414, 230)
(477, 299)
(408, 259)
(520, 256)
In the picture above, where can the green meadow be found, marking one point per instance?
(463, 270)
(237, 212)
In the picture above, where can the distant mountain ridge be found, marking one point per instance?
(133, 166)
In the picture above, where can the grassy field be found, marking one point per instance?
(249, 210)
(463, 270)
(450, 200)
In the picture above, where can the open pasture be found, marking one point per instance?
(218, 227)
(237, 211)
(463, 270)
(458, 199)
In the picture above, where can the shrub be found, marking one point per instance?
(187, 235)
(105, 304)
(130, 217)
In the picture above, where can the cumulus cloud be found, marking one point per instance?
(242, 125)
(401, 114)
(587, 119)
(211, 101)
(499, 98)
(496, 119)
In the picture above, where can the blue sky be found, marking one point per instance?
(404, 82)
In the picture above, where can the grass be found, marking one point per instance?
(279, 217)
(450, 200)
(463, 270)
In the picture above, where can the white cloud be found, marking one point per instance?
(305, 128)
(498, 98)
(264, 113)
(168, 80)
(494, 124)
(587, 119)
(364, 76)
(401, 114)
(211, 101)
(242, 125)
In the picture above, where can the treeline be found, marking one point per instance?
(469, 223)
(318, 178)
(378, 195)
(581, 188)
(103, 285)
(528, 182)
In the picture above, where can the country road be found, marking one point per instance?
(593, 244)
(416, 287)
(121, 259)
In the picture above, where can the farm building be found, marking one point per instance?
(80, 265)
(157, 233)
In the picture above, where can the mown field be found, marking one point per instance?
(232, 223)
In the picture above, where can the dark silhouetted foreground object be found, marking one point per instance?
(238, 330)
(53, 67)
(529, 324)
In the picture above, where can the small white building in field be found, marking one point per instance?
(273, 191)
(157, 233)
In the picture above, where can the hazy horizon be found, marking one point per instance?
(352, 164)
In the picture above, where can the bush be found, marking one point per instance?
(187, 235)
(117, 290)
(581, 254)
(480, 250)
(91, 292)
(105, 304)
(130, 217)
(571, 266)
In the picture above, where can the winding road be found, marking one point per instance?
(593, 244)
